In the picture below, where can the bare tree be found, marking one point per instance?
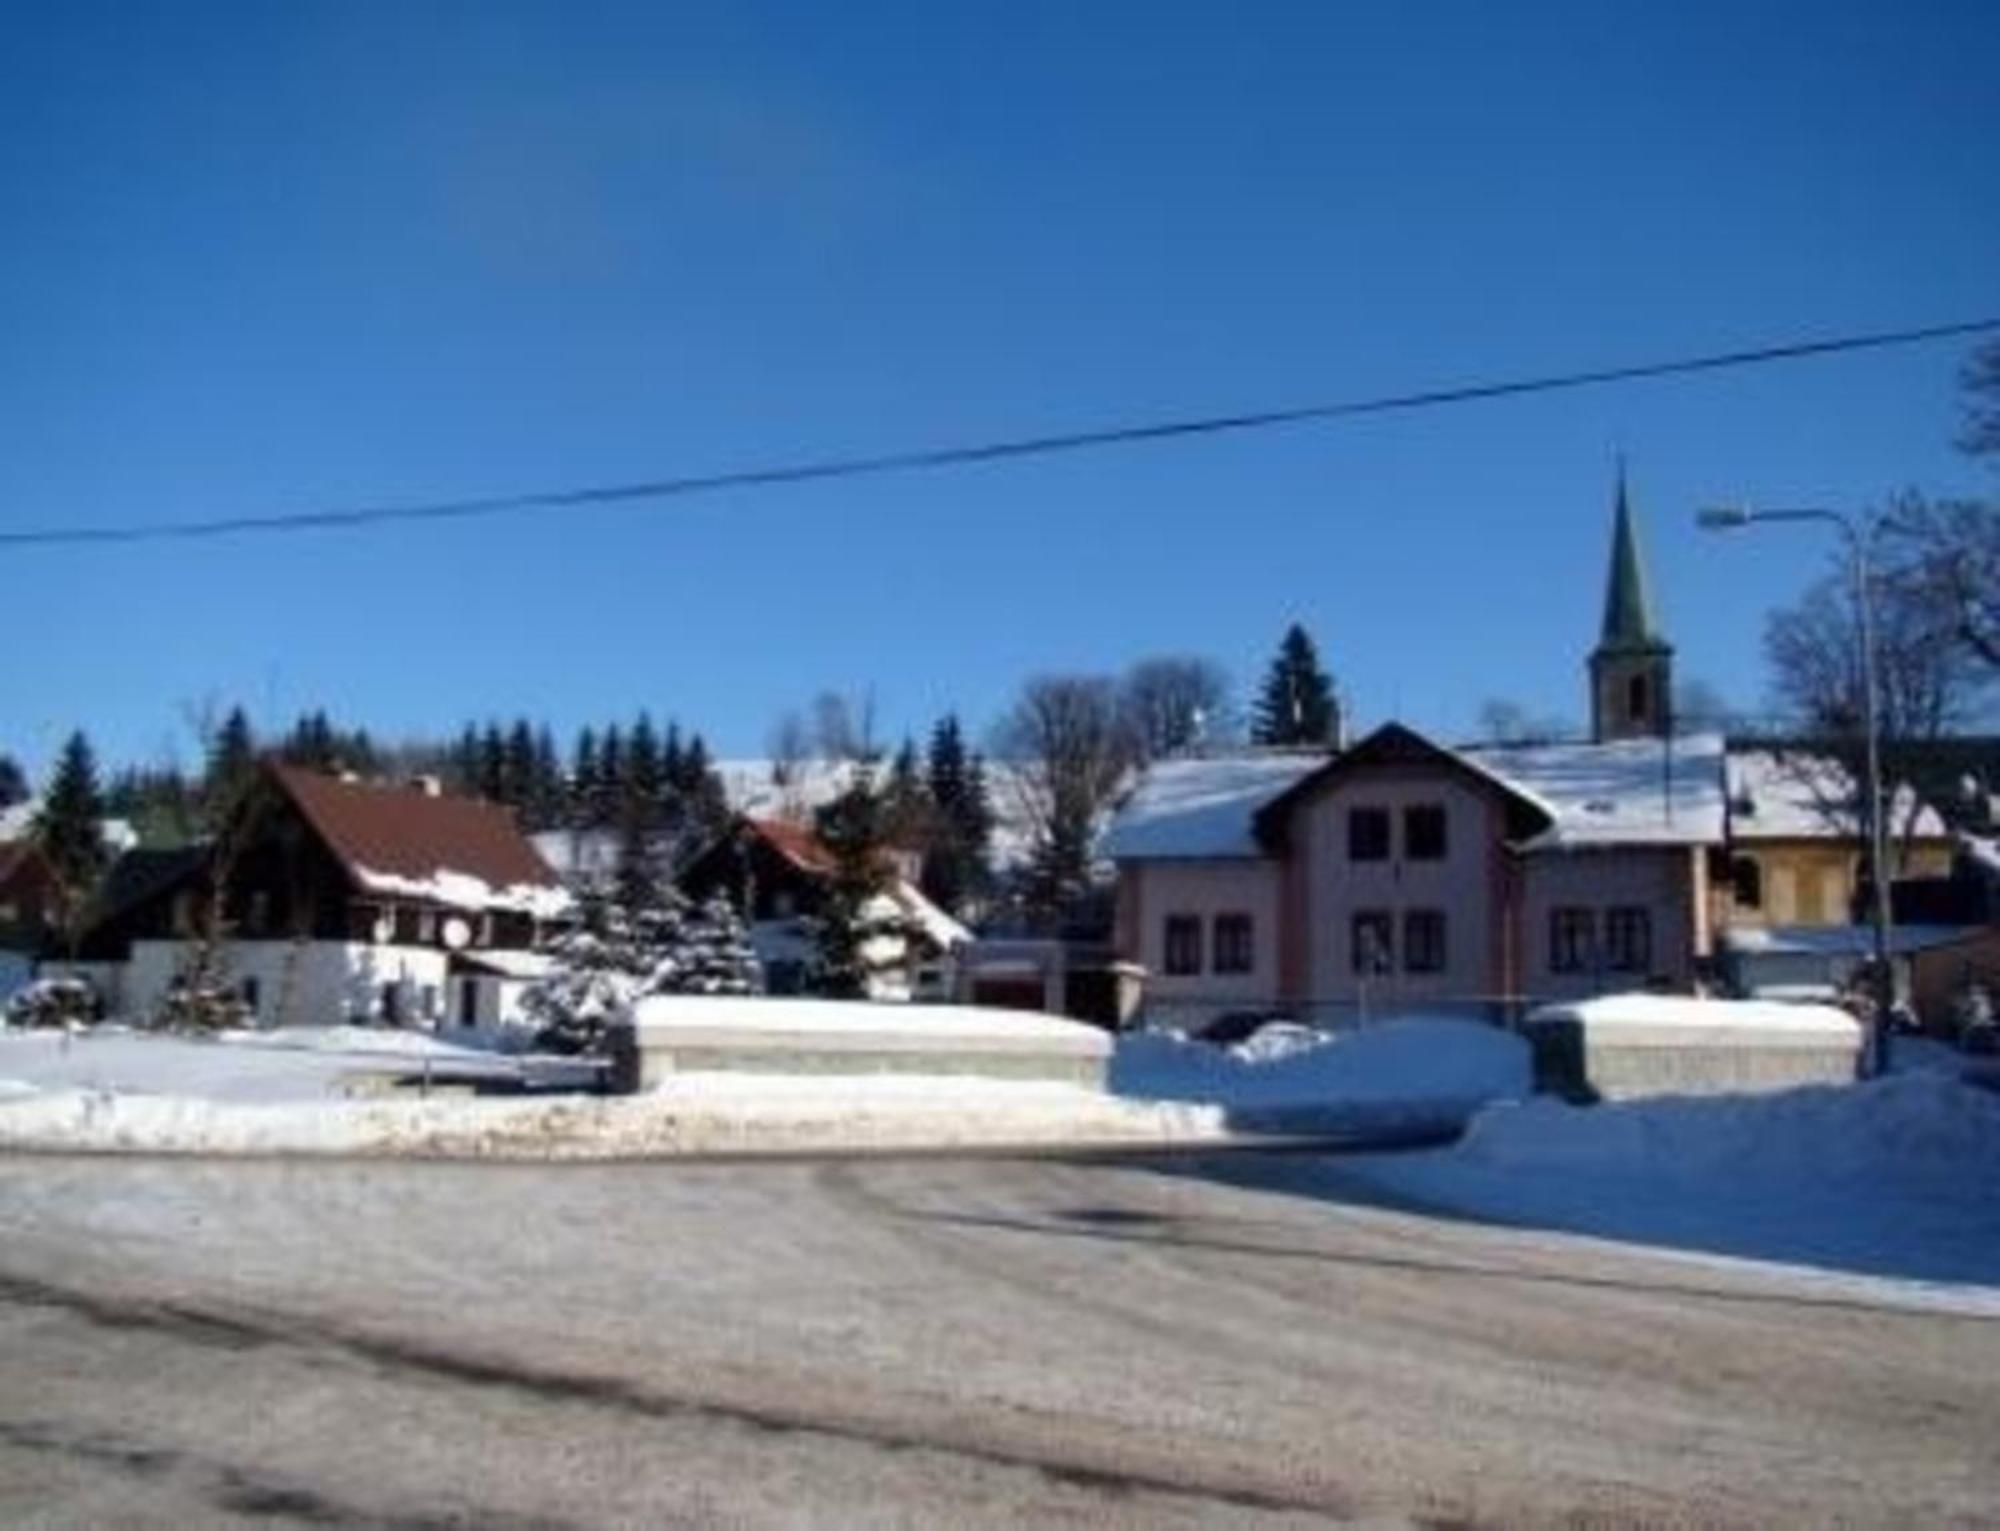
(1504, 721)
(1070, 744)
(1950, 552)
(844, 727)
(789, 744)
(1700, 708)
(1981, 381)
(1174, 702)
(1927, 685)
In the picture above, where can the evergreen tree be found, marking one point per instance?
(620, 955)
(643, 775)
(584, 780)
(465, 758)
(545, 797)
(861, 937)
(673, 761)
(69, 830)
(610, 778)
(1297, 706)
(493, 764)
(518, 765)
(13, 782)
(958, 867)
(909, 815)
(232, 757)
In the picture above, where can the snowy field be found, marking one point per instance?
(307, 1091)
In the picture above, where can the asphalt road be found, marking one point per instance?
(925, 1343)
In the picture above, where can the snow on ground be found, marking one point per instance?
(692, 1113)
(1681, 1013)
(1892, 1178)
(1416, 1061)
(302, 1092)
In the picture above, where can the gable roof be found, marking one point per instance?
(1799, 794)
(1641, 791)
(1557, 796)
(797, 844)
(408, 842)
(1202, 808)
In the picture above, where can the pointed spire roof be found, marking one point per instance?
(1629, 624)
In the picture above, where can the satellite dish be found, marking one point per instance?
(384, 931)
(457, 934)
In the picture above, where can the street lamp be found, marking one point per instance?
(1723, 518)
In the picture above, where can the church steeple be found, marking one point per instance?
(1631, 669)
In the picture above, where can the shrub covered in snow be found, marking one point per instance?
(619, 955)
(53, 1002)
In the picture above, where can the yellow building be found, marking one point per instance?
(1795, 850)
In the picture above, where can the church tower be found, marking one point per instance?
(1632, 667)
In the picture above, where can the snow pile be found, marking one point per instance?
(1921, 1125)
(694, 1113)
(1891, 1178)
(463, 890)
(1418, 1060)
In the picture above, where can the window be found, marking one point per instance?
(258, 918)
(1628, 939)
(1233, 943)
(1746, 882)
(1183, 948)
(1423, 832)
(1367, 834)
(1635, 699)
(427, 926)
(1374, 946)
(1423, 941)
(251, 993)
(1572, 941)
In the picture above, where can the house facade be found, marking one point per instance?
(341, 901)
(777, 874)
(1402, 874)
(1796, 850)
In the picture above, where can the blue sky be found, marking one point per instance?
(271, 257)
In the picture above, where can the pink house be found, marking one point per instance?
(1402, 874)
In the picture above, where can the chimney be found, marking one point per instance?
(430, 786)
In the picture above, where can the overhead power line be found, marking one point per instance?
(965, 455)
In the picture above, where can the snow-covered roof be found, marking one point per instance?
(1982, 852)
(18, 823)
(752, 788)
(1622, 792)
(526, 966)
(939, 928)
(1644, 1012)
(1628, 792)
(1794, 795)
(1202, 808)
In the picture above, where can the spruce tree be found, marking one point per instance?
(584, 781)
(1296, 705)
(861, 938)
(610, 779)
(545, 800)
(957, 868)
(69, 830)
(644, 778)
(493, 764)
(518, 765)
(232, 757)
(13, 782)
(465, 762)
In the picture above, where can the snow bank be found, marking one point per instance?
(1891, 1178)
(1921, 1124)
(695, 1113)
(833, 1017)
(1416, 1060)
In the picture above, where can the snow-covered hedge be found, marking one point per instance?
(53, 1002)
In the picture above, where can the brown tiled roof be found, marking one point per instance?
(797, 844)
(405, 832)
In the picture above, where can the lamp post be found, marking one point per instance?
(1722, 518)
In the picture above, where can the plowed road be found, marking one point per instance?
(926, 1343)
